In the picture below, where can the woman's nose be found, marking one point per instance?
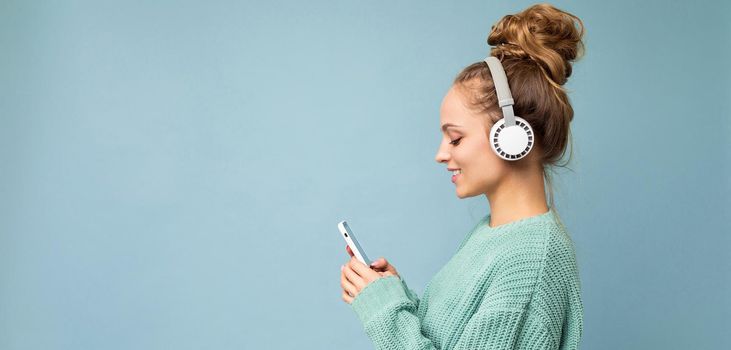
(441, 157)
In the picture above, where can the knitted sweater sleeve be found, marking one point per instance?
(390, 321)
(513, 312)
(410, 293)
(389, 315)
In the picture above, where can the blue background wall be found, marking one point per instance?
(173, 172)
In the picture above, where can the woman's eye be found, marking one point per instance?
(456, 142)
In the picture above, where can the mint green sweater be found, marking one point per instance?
(515, 286)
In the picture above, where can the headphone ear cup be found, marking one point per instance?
(494, 139)
(511, 143)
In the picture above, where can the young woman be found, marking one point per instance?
(513, 282)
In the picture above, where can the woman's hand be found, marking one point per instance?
(355, 275)
(381, 265)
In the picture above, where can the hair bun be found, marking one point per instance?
(543, 33)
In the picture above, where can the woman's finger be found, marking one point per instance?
(347, 298)
(378, 263)
(363, 271)
(347, 249)
(382, 266)
(353, 277)
(347, 285)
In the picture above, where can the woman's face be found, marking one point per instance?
(465, 146)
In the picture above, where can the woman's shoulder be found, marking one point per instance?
(537, 245)
(545, 234)
(547, 253)
(536, 262)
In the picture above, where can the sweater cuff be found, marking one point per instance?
(377, 296)
(409, 293)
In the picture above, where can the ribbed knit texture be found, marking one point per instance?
(515, 286)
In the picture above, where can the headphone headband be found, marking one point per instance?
(500, 80)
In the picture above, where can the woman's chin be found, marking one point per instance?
(463, 192)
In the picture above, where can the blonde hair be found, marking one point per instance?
(536, 47)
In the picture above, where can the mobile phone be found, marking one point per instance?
(352, 242)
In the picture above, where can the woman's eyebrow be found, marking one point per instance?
(449, 125)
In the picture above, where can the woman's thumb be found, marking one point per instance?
(380, 262)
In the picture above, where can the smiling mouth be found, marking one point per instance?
(455, 177)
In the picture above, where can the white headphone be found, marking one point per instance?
(511, 138)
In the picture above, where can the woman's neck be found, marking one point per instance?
(518, 197)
